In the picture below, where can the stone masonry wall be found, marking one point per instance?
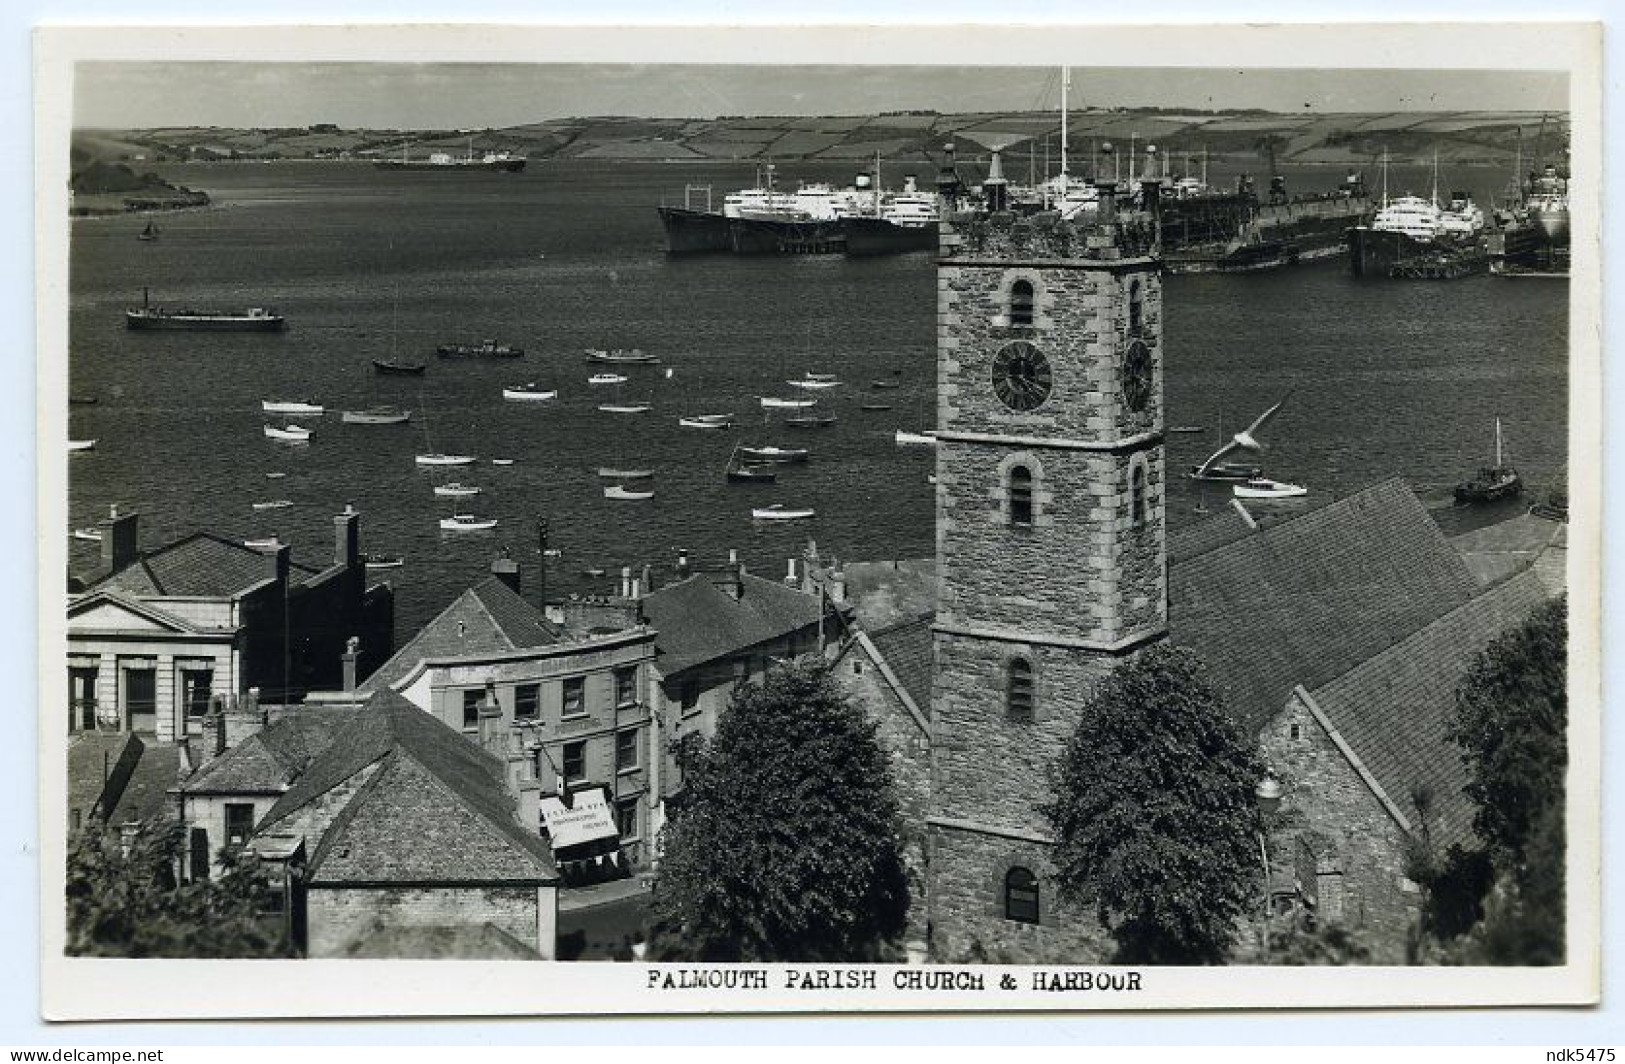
(336, 917)
(967, 906)
(1083, 570)
(1322, 792)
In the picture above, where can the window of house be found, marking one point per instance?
(1021, 303)
(626, 818)
(197, 686)
(626, 685)
(1018, 689)
(1021, 896)
(857, 667)
(575, 696)
(1135, 311)
(527, 701)
(1021, 495)
(1136, 496)
(239, 822)
(141, 699)
(574, 767)
(626, 750)
(82, 698)
(471, 707)
(1297, 731)
(198, 853)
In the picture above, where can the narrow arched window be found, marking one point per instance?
(1134, 309)
(1136, 496)
(1021, 495)
(1018, 689)
(1021, 896)
(1021, 303)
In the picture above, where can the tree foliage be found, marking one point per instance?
(1155, 814)
(1511, 723)
(131, 904)
(785, 846)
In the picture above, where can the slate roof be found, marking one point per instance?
(1497, 551)
(488, 618)
(273, 757)
(1305, 600)
(907, 649)
(203, 565)
(698, 622)
(436, 810)
(146, 794)
(1394, 708)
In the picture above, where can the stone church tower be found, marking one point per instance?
(1051, 546)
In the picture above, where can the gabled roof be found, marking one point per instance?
(1393, 710)
(699, 622)
(272, 758)
(435, 811)
(126, 602)
(1305, 600)
(488, 618)
(201, 565)
(907, 650)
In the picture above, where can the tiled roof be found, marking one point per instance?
(1394, 708)
(698, 622)
(1497, 551)
(449, 943)
(488, 618)
(436, 811)
(1305, 600)
(147, 793)
(202, 565)
(907, 649)
(272, 758)
(93, 763)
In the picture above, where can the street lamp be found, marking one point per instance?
(1268, 794)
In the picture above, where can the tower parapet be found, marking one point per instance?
(972, 236)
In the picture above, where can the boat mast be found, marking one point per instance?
(1385, 177)
(1066, 82)
(1498, 443)
(1435, 177)
(877, 184)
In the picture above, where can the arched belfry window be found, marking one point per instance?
(1018, 689)
(1021, 496)
(1021, 896)
(1136, 495)
(1135, 309)
(1021, 303)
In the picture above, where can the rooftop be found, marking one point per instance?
(201, 565)
(273, 757)
(1394, 708)
(488, 618)
(907, 650)
(436, 810)
(699, 622)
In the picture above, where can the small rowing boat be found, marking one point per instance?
(377, 415)
(625, 408)
(707, 421)
(615, 491)
(772, 453)
(274, 504)
(454, 490)
(466, 523)
(614, 473)
(289, 433)
(502, 461)
(606, 378)
(1263, 488)
(444, 459)
(787, 404)
(528, 393)
(814, 421)
(277, 406)
(780, 512)
(813, 385)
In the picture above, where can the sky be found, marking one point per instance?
(129, 95)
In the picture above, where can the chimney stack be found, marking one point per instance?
(221, 741)
(120, 539)
(626, 581)
(284, 555)
(682, 564)
(505, 569)
(347, 537)
(648, 579)
(352, 647)
(790, 575)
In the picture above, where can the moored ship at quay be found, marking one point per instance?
(761, 220)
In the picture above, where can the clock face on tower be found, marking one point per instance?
(1136, 376)
(1021, 376)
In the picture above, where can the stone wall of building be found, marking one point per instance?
(1325, 795)
(337, 917)
(967, 905)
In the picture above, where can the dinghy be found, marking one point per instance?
(780, 512)
(615, 491)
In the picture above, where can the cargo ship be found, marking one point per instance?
(498, 162)
(762, 220)
(253, 319)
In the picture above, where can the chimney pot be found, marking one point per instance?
(120, 539)
(505, 569)
(352, 646)
(347, 537)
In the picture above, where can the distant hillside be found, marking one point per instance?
(1328, 139)
(101, 186)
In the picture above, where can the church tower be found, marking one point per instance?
(1051, 545)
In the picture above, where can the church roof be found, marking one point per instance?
(1394, 708)
(488, 618)
(698, 622)
(906, 648)
(1305, 600)
(435, 810)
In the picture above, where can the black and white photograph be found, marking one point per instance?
(1031, 529)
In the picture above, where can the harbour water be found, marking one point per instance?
(1390, 377)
